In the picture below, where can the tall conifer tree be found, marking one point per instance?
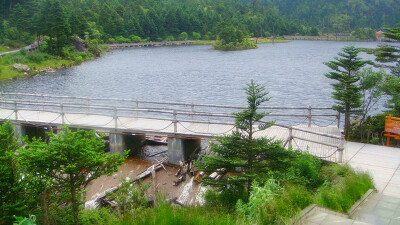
(241, 151)
(346, 91)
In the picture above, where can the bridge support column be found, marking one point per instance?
(180, 149)
(19, 131)
(117, 143)
(135, 143)
(121, 142)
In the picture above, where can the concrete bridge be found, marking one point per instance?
(128, 121)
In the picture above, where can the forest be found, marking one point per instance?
(107, 21)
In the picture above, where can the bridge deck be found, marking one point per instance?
(302, 138)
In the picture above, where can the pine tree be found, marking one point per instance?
(241, 151)
(346, 91)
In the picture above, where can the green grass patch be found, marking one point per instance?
(38, 61)
(4, 49)
(164, 214)
(343, 189)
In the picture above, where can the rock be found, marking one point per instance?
(93, 204)
(21, 67)
(79, 44)
(48, 70)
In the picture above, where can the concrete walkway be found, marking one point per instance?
(382, 208)
(382, 163)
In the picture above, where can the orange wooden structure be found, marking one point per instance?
(392, 128)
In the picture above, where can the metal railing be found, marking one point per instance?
(175, 112)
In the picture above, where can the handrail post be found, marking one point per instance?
(175, 121)
(137, 107)
(15, 110)
(88, 105)
(42, 98)
(192, 110)
(338, 120)
(290, 137)
(340, 150)
(115, 118)
(309, 115)
(62, 114)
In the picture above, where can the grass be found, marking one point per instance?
(38, 61)
(164, 214)
(346, 187)
(4, 49)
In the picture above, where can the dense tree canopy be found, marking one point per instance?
(106, 20)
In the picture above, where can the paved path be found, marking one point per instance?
(382, 208)
(383, 164)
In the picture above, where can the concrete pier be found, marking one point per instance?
(180, 149)
(119, 142)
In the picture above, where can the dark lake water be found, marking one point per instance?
(293, 73)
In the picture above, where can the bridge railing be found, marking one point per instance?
(331, 145)
(312, 116)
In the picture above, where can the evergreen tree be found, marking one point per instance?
(55, 25)
(241, 151)
(19, 19)
(346, 90)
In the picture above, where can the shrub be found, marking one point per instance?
(169, 38)
(226, 197)
(98, 216)
(306, 169)
(272, 204)
(121, 39)
(135, 39)
(129, 196)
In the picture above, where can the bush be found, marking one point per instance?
(169, 38)
(121, 39)
(135, 39)
(129, 196)
(226, 198)
(306, 170)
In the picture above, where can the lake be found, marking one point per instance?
(293, 73)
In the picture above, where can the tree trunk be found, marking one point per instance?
(74, 201)
(347, 123)
(43, 205)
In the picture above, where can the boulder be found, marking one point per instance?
(21, 67)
